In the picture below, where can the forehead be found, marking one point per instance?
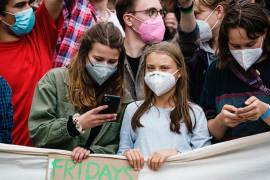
(104, 51)
(12, 2)
(158, 59)
(238, 35)
(199, 7)
(145, 4)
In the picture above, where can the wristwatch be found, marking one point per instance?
(77, 123)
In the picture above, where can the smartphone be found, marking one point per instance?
(113, 103)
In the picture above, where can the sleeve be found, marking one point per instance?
(126, 140)
(207, 100)
(46, 30)
(46, 129)
(6, 112)
(188, 42)
(200, 136)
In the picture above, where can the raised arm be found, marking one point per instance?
(54, 7)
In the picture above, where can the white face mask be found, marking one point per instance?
(247, 57)
(205, 29)
(160, 82)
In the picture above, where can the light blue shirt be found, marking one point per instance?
(156, 134)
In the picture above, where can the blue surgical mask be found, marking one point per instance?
(100, 72)
(25, 21)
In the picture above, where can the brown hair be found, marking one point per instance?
(3, 4)
(248, 16)
(82, 91)
(180, 97)
(212, 4)
(123, 6)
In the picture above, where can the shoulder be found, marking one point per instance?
(134, 105)
(54, 75)
(195, 109)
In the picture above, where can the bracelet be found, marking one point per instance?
(77, 123)
(266, 114)
(187, 10)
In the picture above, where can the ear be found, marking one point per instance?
(220, 12)
(179, 73)
(127, 19)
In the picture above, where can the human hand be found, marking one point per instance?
(171, 22)
(185, 3)
(228, 116)
(156, 159)
(135, 158)
(79, 154)
(93, 119)
(253, 110)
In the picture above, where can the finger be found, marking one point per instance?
(134, 160)
(246, 109)
(130, 160)
(160, 162)
(230, 108)
(173, 26)
(250, 100)
(105, 116)
(232, 116)
(81, 156)
(74, 152)
(137, 160)
(76, 157)
(250, 114)
(155, 161)
(141, 159)
(170, 15)
(86, 154)
(149, 160)
(98, 109)
(171, 21)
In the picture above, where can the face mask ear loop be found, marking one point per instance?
(262, 43)
(6, 22)
(90, 61)
(206, 19)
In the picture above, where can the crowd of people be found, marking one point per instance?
(189, 73)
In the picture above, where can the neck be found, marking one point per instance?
(100, 6)
(166, 100)
(215, 40)
(5, 36)
(133, 43)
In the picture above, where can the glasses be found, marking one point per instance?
(152, 12)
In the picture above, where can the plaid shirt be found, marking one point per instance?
(78, 17)
(6, 112)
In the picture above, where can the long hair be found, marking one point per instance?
(249, 17)
(83, 92)
(180, 96)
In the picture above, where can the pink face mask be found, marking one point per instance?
(152, 30)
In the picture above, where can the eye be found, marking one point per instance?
(251, 44)
(21, 4)
(152, 12)
(98, 59)
(150, 68)
(112, 61)
(164, 68)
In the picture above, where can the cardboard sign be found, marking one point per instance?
(62, 167)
